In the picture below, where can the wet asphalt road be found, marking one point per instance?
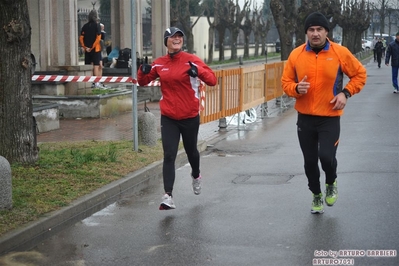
(255, 206)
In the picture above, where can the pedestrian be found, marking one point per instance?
(102, 46)
(89, 39)
(378, 48)
(393, 55)
(179, 73)
(375, 40)
(314, 76)
(103, 53)
(384, 47)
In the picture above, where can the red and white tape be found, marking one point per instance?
(58, 78)
(52, 78)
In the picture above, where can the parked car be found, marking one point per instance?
(367, 45)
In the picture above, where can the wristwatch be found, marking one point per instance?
(347, 93)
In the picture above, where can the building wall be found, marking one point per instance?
(54, 39)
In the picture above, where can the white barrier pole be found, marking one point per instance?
(134, 74)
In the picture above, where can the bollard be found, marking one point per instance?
(147, 129)
(222, 124)
(5, 184)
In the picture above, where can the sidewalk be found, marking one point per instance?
(113, 128)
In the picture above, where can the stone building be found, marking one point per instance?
(55, 34)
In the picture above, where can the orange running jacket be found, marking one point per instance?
(325, 73)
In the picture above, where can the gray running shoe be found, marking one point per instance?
(167, 203)
(197, 185)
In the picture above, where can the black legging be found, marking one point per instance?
(170, 131)
(318, 137)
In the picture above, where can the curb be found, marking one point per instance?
(29, 236)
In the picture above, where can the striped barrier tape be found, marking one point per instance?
(61, 78)
(58, 78)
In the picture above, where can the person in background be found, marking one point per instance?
(375, 40)
(102, 45)
(379, 46)
(89, 39)
(314, 76)
(393, 55)
(103, 52)
(384, 47)
(180, 74)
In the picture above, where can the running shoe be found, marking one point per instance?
(395, 91)
(167, 203)
(197, 185)
(331, 193)
(100, 86)
(317, 204)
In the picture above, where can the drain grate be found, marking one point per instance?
(268, 179)
(241, 179)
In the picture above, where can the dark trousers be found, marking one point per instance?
(379, 56)
(171, 130)
(395, 70)
(318, 138)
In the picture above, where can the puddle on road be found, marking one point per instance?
(107, 211)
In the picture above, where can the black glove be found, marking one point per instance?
(145, 67)
(193, 71)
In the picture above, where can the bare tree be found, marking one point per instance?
(285, 17)
(381, 7)
(257, 22)
(263, 23)
(393, 17)
(235, 24)
(247, 26)
(221, 23)
(180, 15)
(210, 12)
(330, 9)
(354, 20)
(17, 138)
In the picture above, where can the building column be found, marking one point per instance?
(160, 22)
(121, 25)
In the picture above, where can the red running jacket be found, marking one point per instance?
(180, 92)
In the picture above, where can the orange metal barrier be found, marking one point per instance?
(240, 89)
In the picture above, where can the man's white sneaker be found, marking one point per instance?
(197, 185)
(167, 203)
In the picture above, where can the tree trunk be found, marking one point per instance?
(246, 45)
(234, 39)
(210, 44)
(354, 22)
(17, 138)
(256, 54)
(221, 32)
(190, 42)
(284, 13)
